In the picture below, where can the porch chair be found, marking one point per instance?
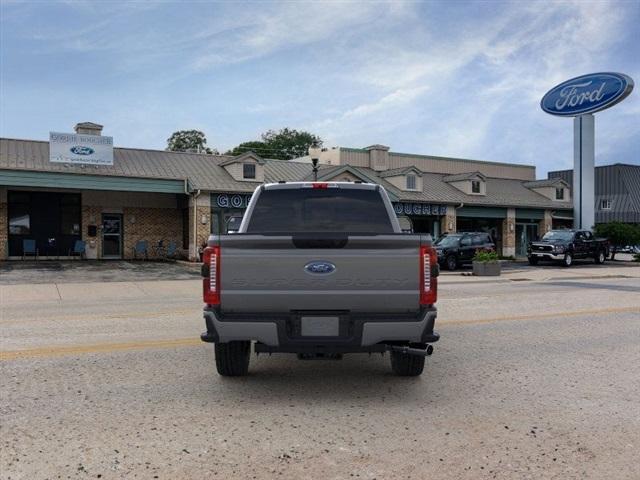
(80, 249)
(142, 249)
(172, 248)
(29, 248)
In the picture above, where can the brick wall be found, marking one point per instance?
(545, 224)
(92, 216)
(509, 233)
(449, 220)
(152, 225)
(203, 230)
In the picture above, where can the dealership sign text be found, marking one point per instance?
(587, 94)
(80, 149)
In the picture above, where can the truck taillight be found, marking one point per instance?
(428, 275)
(211, 274)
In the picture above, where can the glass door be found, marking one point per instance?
(111, 235)
(525, 233)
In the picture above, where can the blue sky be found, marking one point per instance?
(441, 78)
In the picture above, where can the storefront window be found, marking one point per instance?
(19, 217)
(19, 220)
(51, 219)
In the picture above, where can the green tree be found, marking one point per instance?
(188, 141)
(257, 147)
(619, 234)
(283, 144)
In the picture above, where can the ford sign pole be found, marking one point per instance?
(583, 171)
(580, 97)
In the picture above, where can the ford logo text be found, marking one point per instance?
(79, 150)
(320, 267)
(587, 94)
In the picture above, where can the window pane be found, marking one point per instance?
(411, 182)
(70, 220)
(19, 197)
(475, 187)
(319, 210)
(19, 220)
(249, 170)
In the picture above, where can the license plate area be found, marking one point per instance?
(319, 326)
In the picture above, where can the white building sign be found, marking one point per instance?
(77, 149)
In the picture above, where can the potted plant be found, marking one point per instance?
(486, 264)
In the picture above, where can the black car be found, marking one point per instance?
(566, 245)
(457, 249)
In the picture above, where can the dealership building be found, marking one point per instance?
(127, 195)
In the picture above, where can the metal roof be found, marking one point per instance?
(463, 176)
(620, 184)
(205, 172)
(547, 182)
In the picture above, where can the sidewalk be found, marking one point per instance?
(100, 291)
(523, 272)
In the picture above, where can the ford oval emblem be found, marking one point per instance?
(587, 94)
(320, 267)
(79, 150)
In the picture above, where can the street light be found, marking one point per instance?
(314, 153)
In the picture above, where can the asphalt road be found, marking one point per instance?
(532, 379)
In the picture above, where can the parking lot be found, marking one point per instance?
(535, 376)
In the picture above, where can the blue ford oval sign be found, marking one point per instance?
(79, 150)
(320, 267)
(587, 94)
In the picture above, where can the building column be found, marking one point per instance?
(4, 227)
(509, 234)
(92, 217)
(200, 212)
(448, 222)
(545, 224)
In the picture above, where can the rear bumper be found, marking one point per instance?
(359, 332)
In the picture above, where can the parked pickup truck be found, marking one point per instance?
(320, 269)
(566, 245)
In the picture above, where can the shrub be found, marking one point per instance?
(482, 256)
(619, 234)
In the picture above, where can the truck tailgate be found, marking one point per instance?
(273, 273)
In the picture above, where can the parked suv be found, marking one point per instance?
(456, 249)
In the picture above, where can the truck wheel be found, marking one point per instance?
(452, 263)
(533, 261)
(405, 365)
(568, 260)
(600, 257)
(232, 358)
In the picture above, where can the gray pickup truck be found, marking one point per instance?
(320, 269)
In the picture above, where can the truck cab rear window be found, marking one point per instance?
(320, 210)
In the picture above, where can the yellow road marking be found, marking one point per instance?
(97, 348)
(191, 341)
(541, 316)
(114, 316)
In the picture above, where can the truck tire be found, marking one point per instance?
(451, 262)
(533, 261)
(232, 358)
(600, 257)
(405, 365)
(568, 260)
